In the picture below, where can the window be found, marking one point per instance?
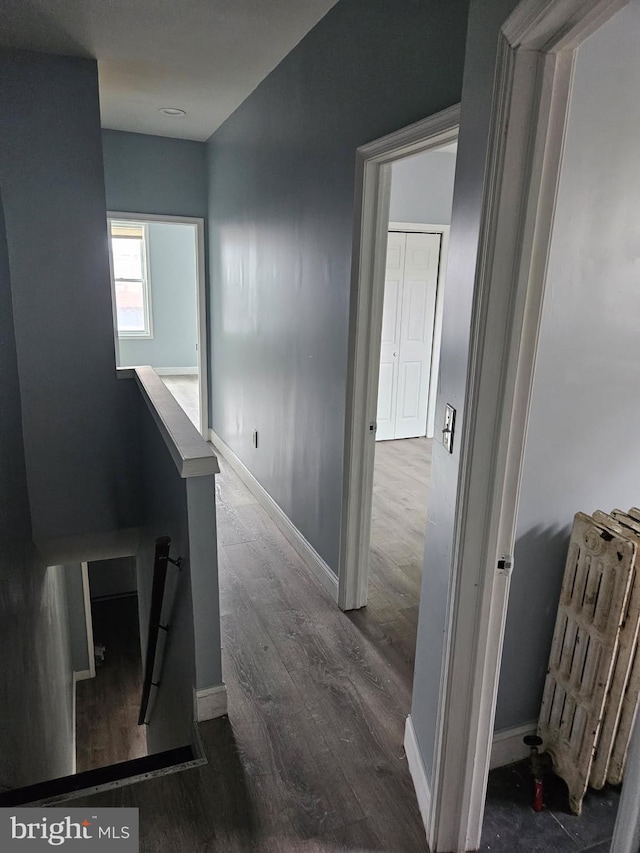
(131, 278)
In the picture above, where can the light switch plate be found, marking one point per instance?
(449, 427)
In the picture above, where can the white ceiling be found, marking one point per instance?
(202, 56)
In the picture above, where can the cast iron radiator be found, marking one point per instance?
(591, 690)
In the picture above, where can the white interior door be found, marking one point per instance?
(390, 342)
(407, 334)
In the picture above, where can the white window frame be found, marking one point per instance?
(201, 303)
(146, 281)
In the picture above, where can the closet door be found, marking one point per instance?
(407, 334)
(422, 258)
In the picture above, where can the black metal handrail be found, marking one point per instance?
(163, 544)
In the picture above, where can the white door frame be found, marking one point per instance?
(443, 231)
(201, 301)
(371, 226)
(531, 98)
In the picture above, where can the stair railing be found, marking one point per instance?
(153, 661)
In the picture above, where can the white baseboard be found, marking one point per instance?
(176, 371)
(418, 776)
(83, 674)
(211, 702)
(308, 553)
(508, 746)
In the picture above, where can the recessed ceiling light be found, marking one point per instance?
(172, 111)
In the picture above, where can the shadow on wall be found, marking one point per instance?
(540, 556)
(36, 687)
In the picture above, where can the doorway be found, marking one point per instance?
(408, 346)
(528, 133)
(157, 274)
(107, 702)
(407, 181)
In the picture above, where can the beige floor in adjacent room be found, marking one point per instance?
(186, 391)
(399, 519)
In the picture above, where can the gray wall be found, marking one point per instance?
(35, 668)
(422, 188)
(15, 520)
(582, 449)
(75, 419)
(485, 20)
(165, 500)
(281, 188)
(154, 174)
(203, 551)
(36, 685)
(172, 276)
(112, 577)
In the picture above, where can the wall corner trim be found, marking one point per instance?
(508, 746)
(83, 675)
(211, 702)
(313, 560)
(418, 776)
(175, 371)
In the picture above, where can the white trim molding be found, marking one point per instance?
(418, 776)
(192, 455)
(86, 598)
(210, 702)
(508, 748)
(371, 226)
(508, 745)
(83, 674)
(314, 561)
(176, 371)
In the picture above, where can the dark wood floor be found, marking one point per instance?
(107, 706)
(311, 756)
(398, 522)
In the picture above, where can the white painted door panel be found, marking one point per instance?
(407, 334)
(390, 344)
(422, 256)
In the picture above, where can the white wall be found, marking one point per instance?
(582, 449)
(422, 188)
(173, 287)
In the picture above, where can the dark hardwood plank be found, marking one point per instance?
(107, 706)
(311, 756)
